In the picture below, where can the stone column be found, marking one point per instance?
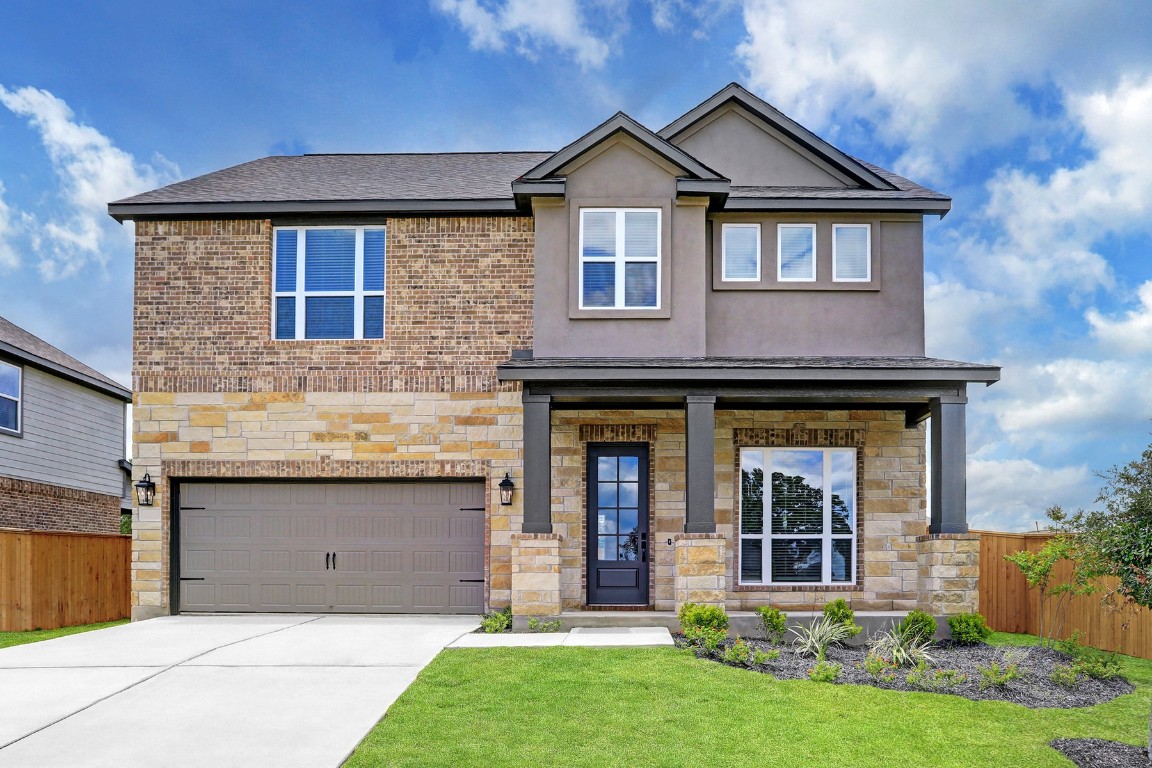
(699, 571)
(535, 575)
(949, 573)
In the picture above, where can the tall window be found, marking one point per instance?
(620, 258)
(796, 252)
(741, 251)
(10, 385)
(851, 253)
(797, 515)
(329, 283)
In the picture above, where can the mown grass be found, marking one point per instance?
(567, 706)
(8, 639)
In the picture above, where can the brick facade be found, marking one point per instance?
(40, 507)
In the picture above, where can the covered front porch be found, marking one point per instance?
(690, 423)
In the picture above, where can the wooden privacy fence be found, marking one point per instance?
(1010, 606)
(50, 580)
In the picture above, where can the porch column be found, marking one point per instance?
(949, 511)
(700, 472)
(537, 463)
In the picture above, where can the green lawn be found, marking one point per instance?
(663, 707)
(8, 639)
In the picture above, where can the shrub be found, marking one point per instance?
(709, 616)
(760, 658)
(707, 638)
(901, 645)
(1065, 675)
(999, 675)
(838, 611)
(825, 672)
(774, 621)
(968, 628)
(814, 640)
(540, 625)
(738, 652)
(919, 624)
(1098, 665)
(880, 668)
(924, 679)
(497, 621)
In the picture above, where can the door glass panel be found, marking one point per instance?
(606, 468)
(796, 560)
(629, 492)
(606, 548)
(629, 468)
(606, 495)
(629, 547)
(797, 492)
(606, 522)
(629, 518)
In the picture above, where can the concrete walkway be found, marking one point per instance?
(585, 636)
(191, 691)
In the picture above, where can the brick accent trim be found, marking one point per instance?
(323, 468)
(682, 536)
(947, 537)
(800, 436)
(617, 433)
(465, 379)
(29, 505)
(536, 537)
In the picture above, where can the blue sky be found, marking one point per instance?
(1037, 123)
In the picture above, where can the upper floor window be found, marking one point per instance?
(740, 244)
(10, 393)
(328, 283)
(620, 258)
(796, 246)
(851, 253)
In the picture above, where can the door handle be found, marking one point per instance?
(644, 547)
(333, 561)
(327, 557)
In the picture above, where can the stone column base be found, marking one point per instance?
(535, 574)
(949, 573)
(700, 570)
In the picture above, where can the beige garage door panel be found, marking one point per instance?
(415, 547)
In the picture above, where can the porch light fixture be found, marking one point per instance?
(506, 489)
(145, 491)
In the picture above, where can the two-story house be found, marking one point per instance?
(62, 439)
(648, 368)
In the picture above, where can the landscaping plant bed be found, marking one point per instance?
(1099, 753)
(954, 669)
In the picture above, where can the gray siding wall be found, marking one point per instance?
(72, 436)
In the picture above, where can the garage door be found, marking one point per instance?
(332, 547)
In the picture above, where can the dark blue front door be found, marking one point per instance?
(617, 524)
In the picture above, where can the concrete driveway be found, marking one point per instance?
(212, 690)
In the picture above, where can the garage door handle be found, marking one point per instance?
(327, 557)
(471, 581)
(192, 578)
(472, 509)
(333, 561)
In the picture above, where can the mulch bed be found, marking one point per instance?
(1098, 753)
(1034, 688)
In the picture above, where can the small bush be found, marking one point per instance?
(814, 640)
(497, 621)
(774, 622)
(968, 628)
(924, 679)
(738, 652)
(919, 624)
(1097, 665)
(1072, 645)
(838, 611)
(995, 675)
(902, 645)
(1065, 675)
(825, 672)
(540, 625)
(760, 658)
(707, 638)
(709, 616)
(879, 668)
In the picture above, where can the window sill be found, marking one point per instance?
(763, 285)
(620, 314)
(842, 587)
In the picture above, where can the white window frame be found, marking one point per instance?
(826, 538)
(780, 253)
(619, 260)
(724, 228)
(868, 254)
(301, 295)
(19, 400)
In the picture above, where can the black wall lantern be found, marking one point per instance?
(146, 491)
(506, 488)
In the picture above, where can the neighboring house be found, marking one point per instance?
(697, 354)
(62, 436)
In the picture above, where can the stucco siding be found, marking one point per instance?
(72, 437)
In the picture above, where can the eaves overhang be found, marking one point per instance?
(248, 209)
(932, 207)
(27, 358)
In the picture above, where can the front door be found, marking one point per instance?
(617, 524)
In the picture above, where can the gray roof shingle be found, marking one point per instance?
(32, 349)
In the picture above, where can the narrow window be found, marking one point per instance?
(797, 515)
(741, 251)
(329, 283)
(620, 258)
(10, 386)
(851, 253)
(796, 260)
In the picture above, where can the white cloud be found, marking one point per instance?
(91, 170)
(957, 318)
(672, 15)
(1012, 494)
(9, 259)
(532, 24)
(1132, 333)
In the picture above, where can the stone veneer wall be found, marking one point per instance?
(217, 397)
(42, 507)
(949, 565)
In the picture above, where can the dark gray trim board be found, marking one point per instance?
(799, 204)
(537, 463)
(700, 469)
(133, 211)
(56, 369)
